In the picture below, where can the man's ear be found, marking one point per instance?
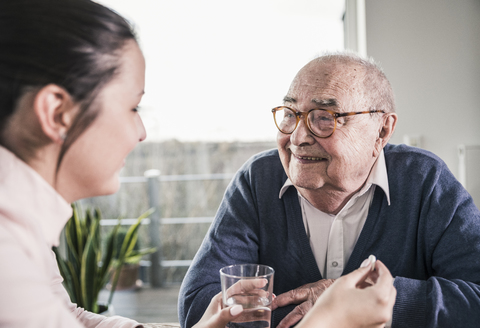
(55, 111)
(386, 131)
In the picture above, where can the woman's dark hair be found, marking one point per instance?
(74, 44)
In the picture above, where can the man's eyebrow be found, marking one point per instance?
(325, 102)
(332, 102)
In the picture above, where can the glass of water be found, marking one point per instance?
(250, 285)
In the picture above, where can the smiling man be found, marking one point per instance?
(335, 192)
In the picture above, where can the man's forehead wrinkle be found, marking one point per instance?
(342, 76)
(317, 94)
(327, 84)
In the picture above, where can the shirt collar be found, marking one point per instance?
(30, 200)
(378, 176)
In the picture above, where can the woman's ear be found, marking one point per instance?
(386, 131)
(55, 111)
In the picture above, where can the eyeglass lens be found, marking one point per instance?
(321, 122)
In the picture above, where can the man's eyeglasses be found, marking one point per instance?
(321, 122)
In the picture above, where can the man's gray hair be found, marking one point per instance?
(377, 88)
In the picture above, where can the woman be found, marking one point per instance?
(71, 78)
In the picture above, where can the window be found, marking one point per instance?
(234, 59)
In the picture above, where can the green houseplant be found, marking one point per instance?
(88, 263)
(128, 274)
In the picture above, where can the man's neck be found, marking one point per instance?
(328, 201)
(331, 200)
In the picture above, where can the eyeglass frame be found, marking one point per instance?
(305, 118)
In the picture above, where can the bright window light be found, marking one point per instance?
(225, 64)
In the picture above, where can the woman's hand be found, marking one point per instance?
(215, 316)
(351, 302)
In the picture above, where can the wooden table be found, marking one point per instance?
(161, 325)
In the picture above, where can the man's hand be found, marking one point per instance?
(305, 296)
(215, 316)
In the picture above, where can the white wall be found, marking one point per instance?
(430, 51)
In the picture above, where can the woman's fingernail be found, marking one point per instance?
(365, 263)
(372, 260)
(236, 310)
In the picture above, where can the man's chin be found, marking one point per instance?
(313, 183)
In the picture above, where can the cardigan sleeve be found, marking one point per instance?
(450, 297)
(449, 235)
(231, 239)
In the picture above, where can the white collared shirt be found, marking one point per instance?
(333, 237)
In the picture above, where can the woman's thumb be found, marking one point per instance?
(221, 319)
(236, 310)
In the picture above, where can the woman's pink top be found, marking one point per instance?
(32, 215)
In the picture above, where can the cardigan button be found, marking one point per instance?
(334, 263)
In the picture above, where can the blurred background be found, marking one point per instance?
(215, 69)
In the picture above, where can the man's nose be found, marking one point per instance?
(302, 134)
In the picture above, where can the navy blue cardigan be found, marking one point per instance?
(429, 238)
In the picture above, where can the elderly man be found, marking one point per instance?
(335, 192)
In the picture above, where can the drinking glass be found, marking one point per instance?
(250, 285)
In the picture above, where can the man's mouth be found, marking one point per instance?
(309, 158)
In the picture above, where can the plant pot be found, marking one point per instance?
(105, 309)
(128, 277)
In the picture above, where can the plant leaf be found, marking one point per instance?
(67, 278)
(128, 244)
(107, 261)
(71, 236)
(79, 232)
(89, 270)
(76, 296)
